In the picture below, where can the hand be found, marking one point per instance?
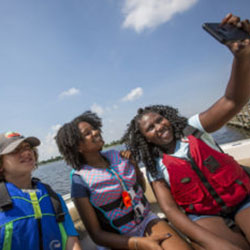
(150, 242)
(238, 48)
(125, 154)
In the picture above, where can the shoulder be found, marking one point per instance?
(111, 152)
(194, 121)
(113, 156)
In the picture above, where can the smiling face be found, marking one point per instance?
(92, 139)
(156, 129)
(20, 161)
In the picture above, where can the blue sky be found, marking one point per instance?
(60, 58)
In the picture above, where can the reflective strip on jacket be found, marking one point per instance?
(19, 229)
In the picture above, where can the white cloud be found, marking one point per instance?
(97, 109)
(48, 146)
(133, 95)
(142, 14)
(69, 92)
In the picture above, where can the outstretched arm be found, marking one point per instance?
(238, 89)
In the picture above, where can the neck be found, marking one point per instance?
(96, 160)
(22, 182)
(169, 148)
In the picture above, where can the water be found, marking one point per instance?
(57, 173)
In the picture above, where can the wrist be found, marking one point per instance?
(133, 243)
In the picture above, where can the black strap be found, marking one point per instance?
(224, 208)
(116, 203)
(5, 199)
(190, 130)
(40, 232)
(128, 217)
(56, 203)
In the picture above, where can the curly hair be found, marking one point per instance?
(69, 137)
(141, 149)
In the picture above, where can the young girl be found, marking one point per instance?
(186, 168)
(32, 215)
(107, 192)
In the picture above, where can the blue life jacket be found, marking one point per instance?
(106, 194)
(31, 220)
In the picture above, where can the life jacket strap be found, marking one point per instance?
(128, 217)
(116, 203)
(5, 200)
(56, 203)
(190, 130)
(224, 208)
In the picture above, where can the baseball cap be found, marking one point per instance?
(11, 140)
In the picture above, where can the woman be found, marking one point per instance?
(32, 215)
(186, 168)
(106, 192)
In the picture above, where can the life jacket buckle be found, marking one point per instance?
(139, 211)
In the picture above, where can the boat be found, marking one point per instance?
(240, 150)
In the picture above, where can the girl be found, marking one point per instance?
(186, 168)
(107, 193)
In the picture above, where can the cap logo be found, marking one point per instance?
(12, 134)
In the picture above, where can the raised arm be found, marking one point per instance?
(199, 235)
(238, 88)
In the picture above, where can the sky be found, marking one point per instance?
(60, 58)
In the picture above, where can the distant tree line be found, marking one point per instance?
(113, 143)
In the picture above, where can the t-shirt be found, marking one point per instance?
(181, 150)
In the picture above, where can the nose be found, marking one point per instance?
(158, 127)
(95, 132)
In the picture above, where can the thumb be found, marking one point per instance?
(162, 237)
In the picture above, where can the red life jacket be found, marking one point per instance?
(210, 182)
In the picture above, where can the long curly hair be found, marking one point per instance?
(69, 137)
(141, 149)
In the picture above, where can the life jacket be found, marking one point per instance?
(209, 182)
(31, 220)
(106, 194)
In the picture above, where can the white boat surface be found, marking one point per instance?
(240, 150)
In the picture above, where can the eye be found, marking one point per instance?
(150, 128)
(159, 119)
(87, 133)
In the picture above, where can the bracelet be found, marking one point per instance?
(136, 243)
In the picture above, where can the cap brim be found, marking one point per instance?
(33, 141)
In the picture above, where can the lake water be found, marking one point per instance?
(57, 173)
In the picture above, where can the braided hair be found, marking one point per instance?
(141, 149)
(69, 137)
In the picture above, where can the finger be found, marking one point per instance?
(246, 25)
(234, 20)
(226, 18)
(161, 237)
